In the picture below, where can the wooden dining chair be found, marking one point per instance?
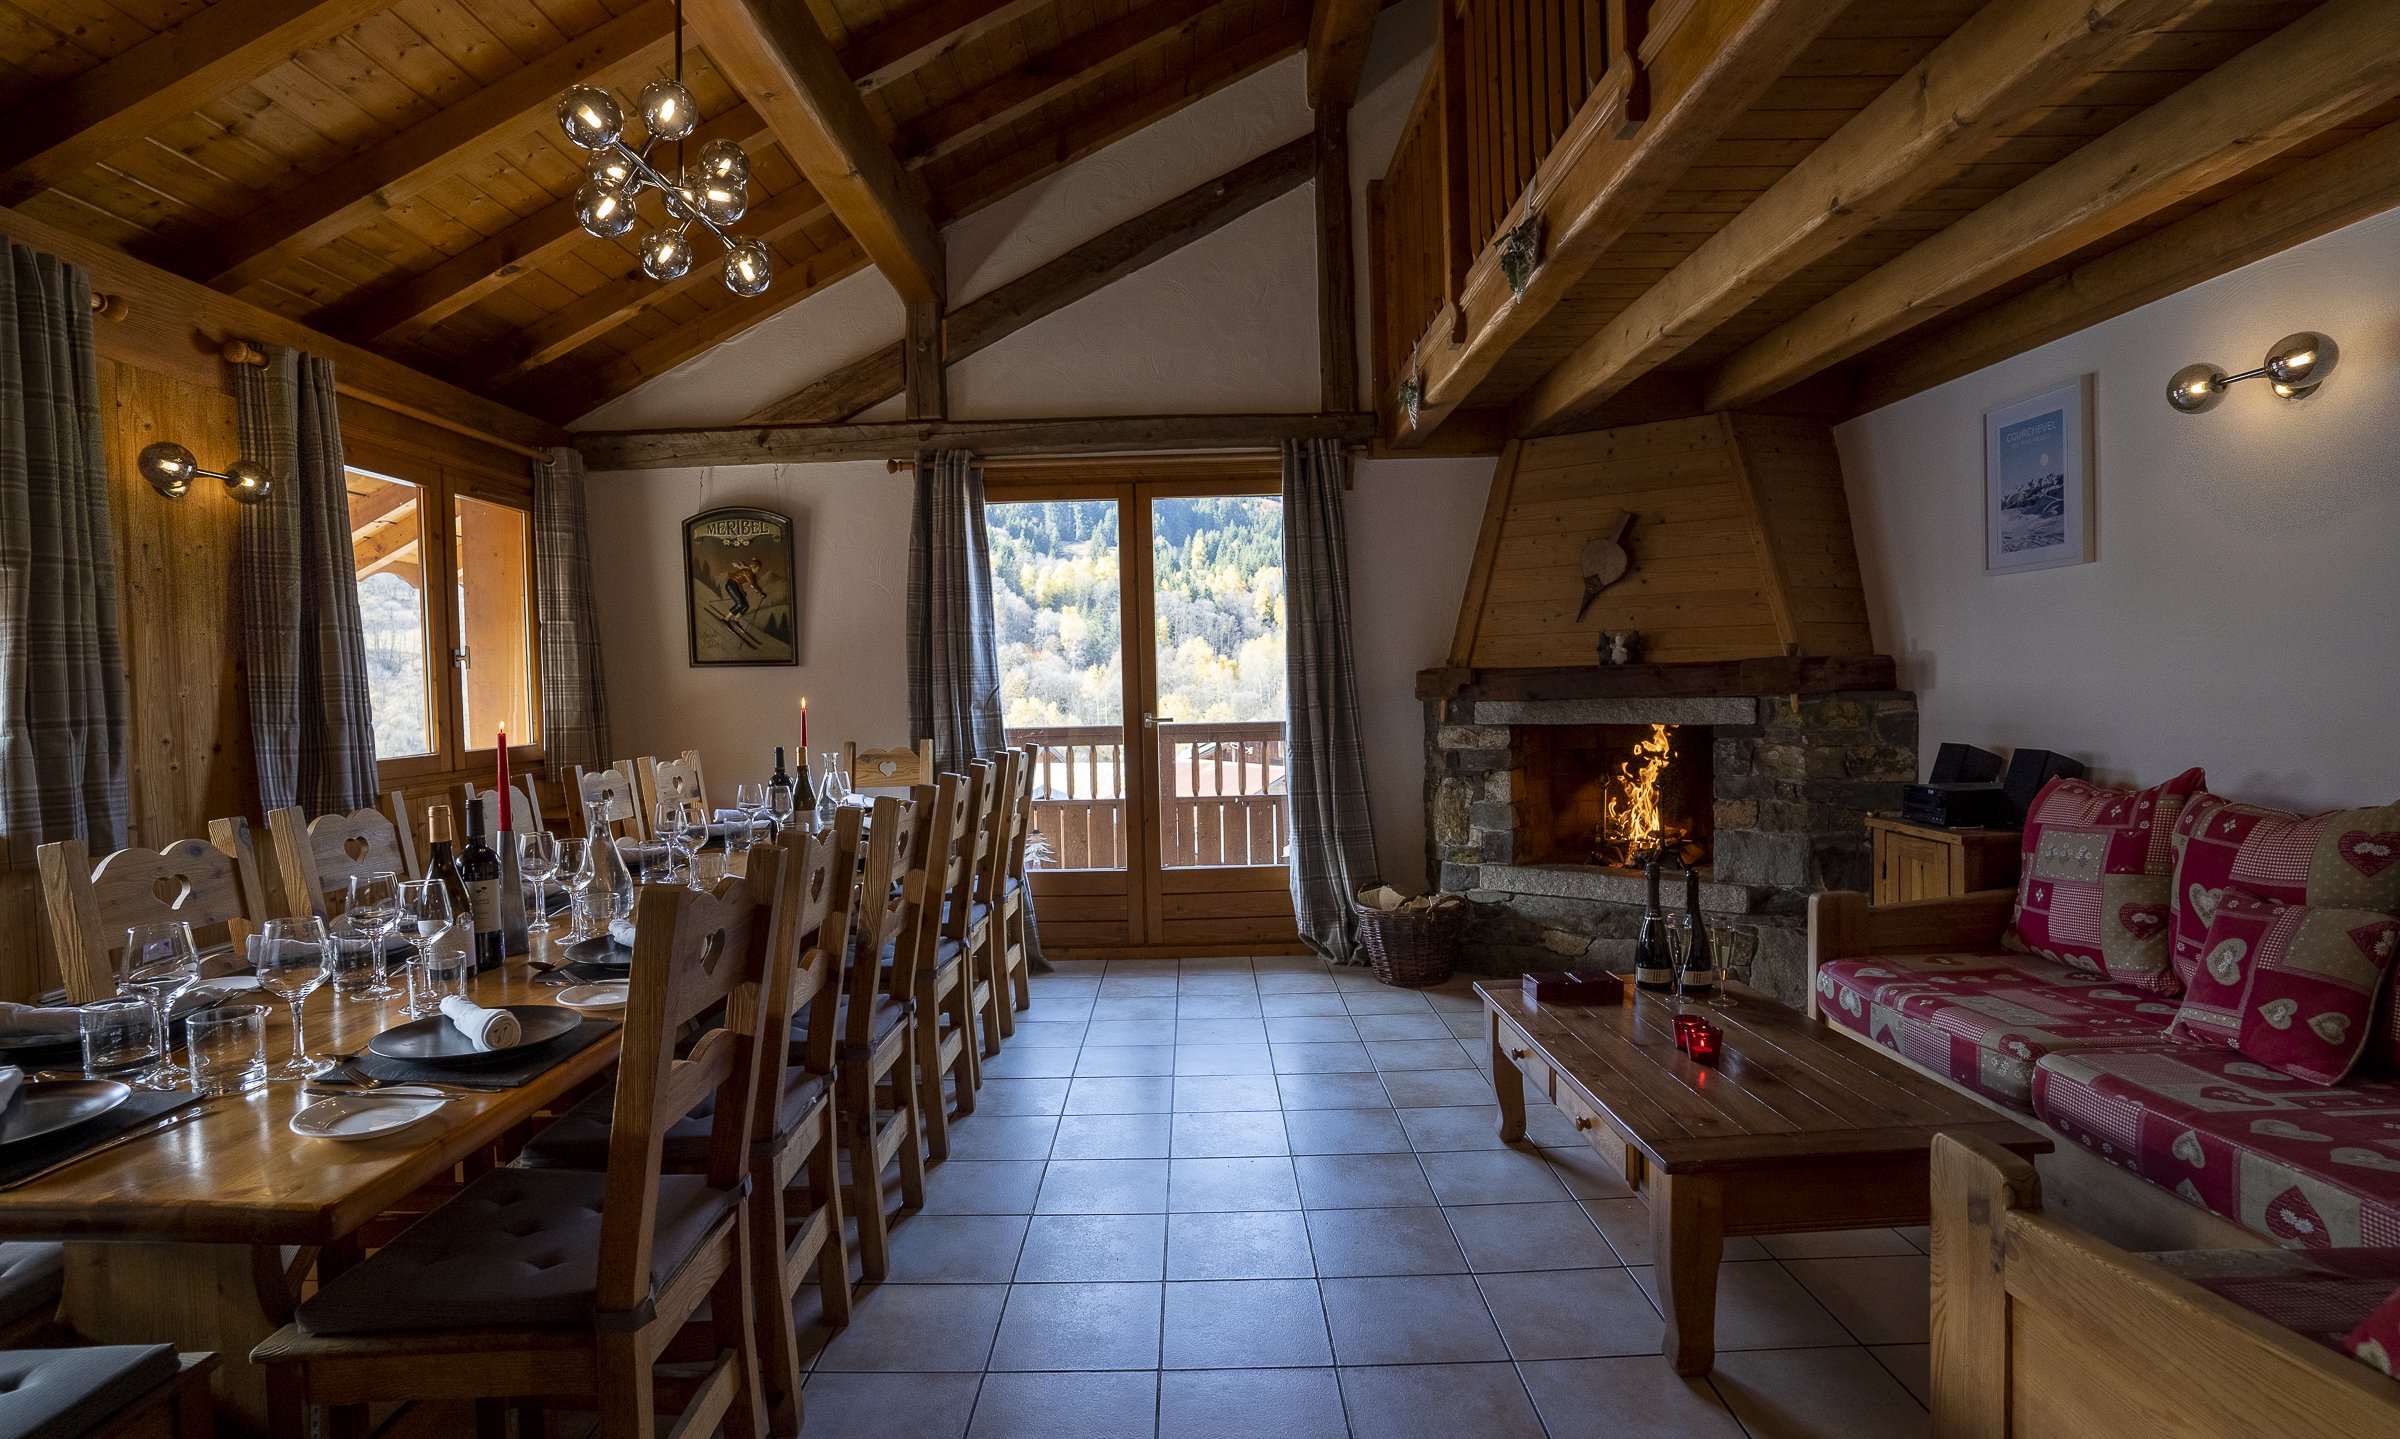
(569, 1286)
(213, 885)
(525, 805)
(678, 780)
(610, 797)
(901, 768)
(941, 981)
(967, 917)
(315, 859)
(1000, 886)
(876, 1056)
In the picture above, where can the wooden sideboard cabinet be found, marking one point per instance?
(1919, 861)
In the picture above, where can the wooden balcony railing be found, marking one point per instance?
(1225, 803)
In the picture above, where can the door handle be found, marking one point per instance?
(1151, 721)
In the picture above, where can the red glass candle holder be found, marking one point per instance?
(1684, 1025)
(1707, 1042)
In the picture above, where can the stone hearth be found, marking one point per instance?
(1796, 775)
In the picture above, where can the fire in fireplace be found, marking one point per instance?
(1609, 794)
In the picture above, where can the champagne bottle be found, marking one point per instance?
(1653, 961)
(1699, 978)
(479, 869)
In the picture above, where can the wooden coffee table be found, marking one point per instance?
(1795, 1128)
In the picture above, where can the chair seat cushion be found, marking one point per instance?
(1984, 1018)
(29, 1278)
(2307, 1166)
(2327, 1295)
(946, 952)
(517, 1249)
(60, 1393)
(977, 914)
(578, 1139)
(889, 1012)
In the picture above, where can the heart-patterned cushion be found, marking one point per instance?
(2092, 891)
(2291, 986)
(2343, 859)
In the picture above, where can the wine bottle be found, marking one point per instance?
(479, 869)
(1699, 978)
(780, 803)
(1653, 961)
(441, 859)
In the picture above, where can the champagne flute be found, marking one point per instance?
(161, 961)
(537, 858)
(425, 909)
(291, 960)
(574, 861)
(374, 903)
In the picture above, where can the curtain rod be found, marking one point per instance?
(1169, 458)
(243, 352)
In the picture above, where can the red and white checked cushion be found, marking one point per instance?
(2344, 859)
(2342, 1298)
(2307, 1166)
(2093, 888)
(2376, 1340)
(2290, 986)
(1982, 1019)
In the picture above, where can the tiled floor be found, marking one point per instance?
(1262, 1198)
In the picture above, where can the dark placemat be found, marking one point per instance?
(505, 1073)
(19, 1162)
(586, 973)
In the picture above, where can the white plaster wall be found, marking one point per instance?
(2241, 614)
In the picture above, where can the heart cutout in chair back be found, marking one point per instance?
(172, 889)
(887, 767)
(712, 951)
(356, 846)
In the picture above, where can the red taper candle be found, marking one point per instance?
(503, 748)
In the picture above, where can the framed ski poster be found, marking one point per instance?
(740, 602)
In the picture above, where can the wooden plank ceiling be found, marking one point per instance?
(391, 172)
(2014, 226)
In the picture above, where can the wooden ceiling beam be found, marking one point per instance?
(1702, 69)
(75, 125)
(1947, 111)
(1339, 33)
(2315, 198)
(945, 27)
(319, 209)
(898, 439)
(781, 63)
(2322, 70)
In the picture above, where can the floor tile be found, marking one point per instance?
(1467, 1025)
(1817, 1394)
(1282, 1003)
(1759, 1306)
(1586, 1175)
(1245, 1323)
(1344, 1057)
(1104, 1186)
(1311, 1029)
(1331, 1091)
(1093, 1248)
(1474, 1126)
(1229, 1134)
(976, 1186)
(1363, 1243)
(1416, 1319)
(1253, 1403)
(1548, 1127)
(1838, 1244)
(1499, 1238)
(1501, 1176)
(890, 1406)
(918, 1329)
(1918, 1235)
(1270, 983)
(1911, 1365)
(1079, 1326)
(1218, 1006)
(1222, 1059)
(1125, 1059)
(1344, 1131)
(1021, 1096)
(1439, 1401)
(1136, 986)
(1115, 1033)
(1062, 1406)
(1220, 1031)
(1218, 1184)
(1203, 1093)
(1048, 1033)
(1361, 1181)
(1571, 1313)
(1880, 1299)
(1384, 1001)
(1407, 1024)
(1152, 1094)
(1252, 1244)
(1112, 1136)
(1019, 1062)
(1423, 1088)
(1637, 1397)
(1004, 1136)
(1155, 1007)
(1625, 1223)
(1390, 1054)
(956, 1248)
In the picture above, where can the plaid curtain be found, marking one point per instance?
(574, 692)
(953, 645)
(62, 673)
(311, 722)
(1333, 838)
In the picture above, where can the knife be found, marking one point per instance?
(159, 1125)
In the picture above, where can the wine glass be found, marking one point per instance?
(537, 859)
(751, 799)
(374, 904)
(691, 828)
(425, 910)
(575, 863)
(161, 961)
(291, 961)
(779, 805)
(669, 829)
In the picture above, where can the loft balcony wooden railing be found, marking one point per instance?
(1508, 79)
(1225, 800)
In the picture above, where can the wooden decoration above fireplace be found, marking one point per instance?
(1741, 546)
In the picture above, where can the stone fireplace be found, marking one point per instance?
(1768, 770)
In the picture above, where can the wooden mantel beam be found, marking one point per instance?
(898, 439)
(2322, 70)
(1946, 112)
(50, 136)
(1339, 32)
(1702, 70)
(782, 64)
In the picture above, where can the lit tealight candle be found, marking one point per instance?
(1707, 1043)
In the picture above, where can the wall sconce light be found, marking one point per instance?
(170, 469)
(2294, 368)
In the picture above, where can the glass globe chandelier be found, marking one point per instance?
(712, 191)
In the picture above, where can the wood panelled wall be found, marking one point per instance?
(1740, 544)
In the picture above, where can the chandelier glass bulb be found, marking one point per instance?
(604, 210)
(2299, 363)
(591, 117)
(611, 168)
(2197, 388)
(169, 468)
(666, 255)
(667, 110)
(724, 162)
(247, 482)
(720, 202)
(749, 268)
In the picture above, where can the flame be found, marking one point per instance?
(1631, 815)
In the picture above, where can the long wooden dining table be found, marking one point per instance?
(203, 1234)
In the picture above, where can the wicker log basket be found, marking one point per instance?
(1413, 945)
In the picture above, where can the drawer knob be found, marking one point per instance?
(1583, 1121)
(1519, 1053)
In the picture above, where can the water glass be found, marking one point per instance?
(161, 961)
(449, 962)
(119, 1035)
(574, 862)
(740, 834)
(229, 1049)
(355, 959)
(537, 860)
(708, 868)
(751, 799)
(425, 911)
(373, 910)
(292, 963)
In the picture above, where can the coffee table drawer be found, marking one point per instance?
(1518, 1046)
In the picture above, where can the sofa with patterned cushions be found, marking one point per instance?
(2195, 991)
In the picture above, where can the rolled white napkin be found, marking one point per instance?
(621, 930)
(34, 1021)
(12, 1079)
(489, 1028)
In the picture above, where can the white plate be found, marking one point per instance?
(606, 994)
(363, 1116)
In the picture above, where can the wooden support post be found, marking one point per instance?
(1976, 1184)
(925, 364)
(1337, 285)
(1628, 27)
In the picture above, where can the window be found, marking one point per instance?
(495, 611)
(387, 542)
